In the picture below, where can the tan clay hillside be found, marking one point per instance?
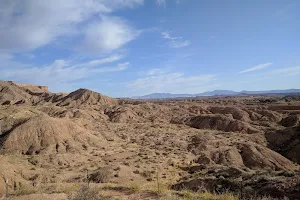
(211, 148)
(11, 93)
(85, 97)
(44, 134)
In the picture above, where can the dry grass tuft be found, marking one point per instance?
(132, 188)
(25, 190)
(86, 193)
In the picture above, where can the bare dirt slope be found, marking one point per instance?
(50, 140)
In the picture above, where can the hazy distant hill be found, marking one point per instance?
(215, 93)
(218, 93)
(289, 91)
(163, 96)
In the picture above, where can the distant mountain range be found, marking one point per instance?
(215, 93)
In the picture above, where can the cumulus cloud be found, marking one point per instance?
(175, 42)
(27, 25)
(108, 34)
(258, 67)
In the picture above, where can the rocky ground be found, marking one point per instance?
(50, 143)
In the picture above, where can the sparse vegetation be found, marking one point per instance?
(147, 174)
(101, 175)
(286, 173)
(25, 190)
(213, 148)
(131, 188)
(86, 193)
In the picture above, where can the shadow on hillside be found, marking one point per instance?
(285, 142)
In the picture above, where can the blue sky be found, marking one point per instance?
(134, 47)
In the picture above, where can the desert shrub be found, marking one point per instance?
(132, 188)
(286, 173)
(100, 176)
(205, 195)
(25, 190)
(171, 162)
(86, 193)
(146, 174)
(117, 169)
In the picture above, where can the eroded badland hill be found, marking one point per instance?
(209, 148)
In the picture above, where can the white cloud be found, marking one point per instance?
(56, 72)
(27, 25)
(59, 64)
(7, 61)
(5, 56)
(110, 59)
(117, 4)
(175, 42)
(167, 35)
(275, 74)
(180, 44)
(155, 71)
(60, 72)
(119, 67)
(108, 34)
(161, 2)
(288, 71)
(172, 82)
(258, 67)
